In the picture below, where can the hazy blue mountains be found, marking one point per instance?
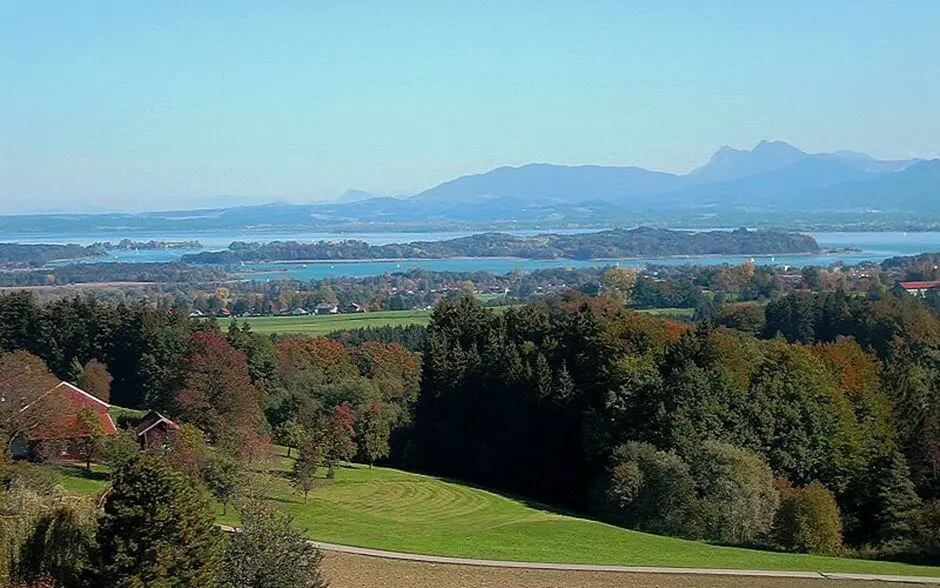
(772, 185)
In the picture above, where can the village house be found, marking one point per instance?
(326, 308)
(919, 288)
(57, 427)
(153, 430)
(353, 307)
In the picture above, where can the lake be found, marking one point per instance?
(871, 246)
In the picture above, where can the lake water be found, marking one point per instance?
(871, 246)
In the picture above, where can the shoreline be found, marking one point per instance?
(538, 259)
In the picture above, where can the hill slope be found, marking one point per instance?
(399, 511)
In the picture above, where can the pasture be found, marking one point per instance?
(383, 508)
(390, 509)
(316, 325)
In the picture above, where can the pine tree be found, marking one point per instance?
(158, 529)
(897, 500)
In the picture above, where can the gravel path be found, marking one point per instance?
(589, 568)
(489, 563)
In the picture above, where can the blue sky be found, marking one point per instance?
(148, 105)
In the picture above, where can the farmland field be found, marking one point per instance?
(314, 325)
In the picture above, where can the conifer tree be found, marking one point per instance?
(158, 529)
(897, 500)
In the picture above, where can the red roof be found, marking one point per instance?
(64, 402)
(918, 285)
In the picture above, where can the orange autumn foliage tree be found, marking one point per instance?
(219, 396)
(23, 378)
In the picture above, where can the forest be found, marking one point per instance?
(696, 430)
(810, 423)
(20, 255)
(614, 243)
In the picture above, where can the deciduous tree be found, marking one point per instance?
(268, 552)
(339, 437)
(96, 380)
(219, 395)
(309, 457)
(23, 379)
(222, 475)
(373, 433)
(91, 435)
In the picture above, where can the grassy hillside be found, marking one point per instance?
(322, 325)
(389, 509)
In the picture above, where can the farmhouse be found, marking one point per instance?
(919, 288)
(153, 430)
(326, 308)
(57, 426)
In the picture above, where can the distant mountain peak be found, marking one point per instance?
(353, 195)
(729, 163)
(778, 147)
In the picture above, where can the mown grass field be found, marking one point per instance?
(390, 509)
(669, 313)
(317, 325)
(313, 325)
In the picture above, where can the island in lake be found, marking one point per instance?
(19, 255)
(611, 244)
(130, 244)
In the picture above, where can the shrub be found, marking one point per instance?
(119, 450)
(269, 553)
(808, 519)
(648, 490)
(736, 493)
(57, 552)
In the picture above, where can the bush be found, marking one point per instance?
(736, 493)
(119, 450)
(269, 552)
(649, 490)
(57, 552)
(808, 519)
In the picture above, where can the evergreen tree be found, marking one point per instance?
(897, 500)
(158, 529)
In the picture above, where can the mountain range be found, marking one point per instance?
(772, 185)
(774, 180)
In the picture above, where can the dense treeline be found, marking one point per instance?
(807, 423)
(239, 388)
(84, 273)
(683, 429)
(411, 337)
(17, 254)
(615, 243)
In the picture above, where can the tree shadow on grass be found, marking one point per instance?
(80, 472)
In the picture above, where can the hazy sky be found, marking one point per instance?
(163, 104)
